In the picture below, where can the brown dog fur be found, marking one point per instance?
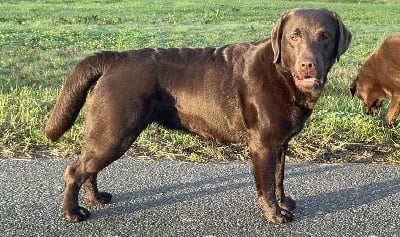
(258, 94)
(379, 79)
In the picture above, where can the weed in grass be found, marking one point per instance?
(212, 15)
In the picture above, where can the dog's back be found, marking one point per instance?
(389, 51)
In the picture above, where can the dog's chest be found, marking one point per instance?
(299, 117)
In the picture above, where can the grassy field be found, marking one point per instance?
(41, 41)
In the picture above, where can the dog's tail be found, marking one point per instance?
(73, 94)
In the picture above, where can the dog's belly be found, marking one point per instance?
(212, 126)
(215, 116)
(207, 117)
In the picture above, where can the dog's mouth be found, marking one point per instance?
(374, 108)
(307, 83)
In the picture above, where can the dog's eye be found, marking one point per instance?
(295, 36)
(323, 35)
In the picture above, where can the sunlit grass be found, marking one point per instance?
(41, 41)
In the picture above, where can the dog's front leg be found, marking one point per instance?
(394, 110)
(284, 201)
(264, 168)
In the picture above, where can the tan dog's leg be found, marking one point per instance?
(394, 110)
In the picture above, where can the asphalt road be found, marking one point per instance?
(187, 199)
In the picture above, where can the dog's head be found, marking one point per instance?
(368, 91)
(307, 42)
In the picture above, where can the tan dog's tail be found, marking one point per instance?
(74, 92)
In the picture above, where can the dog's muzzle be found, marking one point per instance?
(374, 108)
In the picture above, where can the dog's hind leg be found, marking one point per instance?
(99, 152)
(111, 127)
(118, 143)
(92, 194)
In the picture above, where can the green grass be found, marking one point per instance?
(41, 41)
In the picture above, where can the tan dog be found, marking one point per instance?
(258, 94)
(379, 79)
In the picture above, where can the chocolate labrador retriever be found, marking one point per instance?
(258, 94)
(379, 79)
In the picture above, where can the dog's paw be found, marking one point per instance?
(284, 217)
(389, 123)
(77, 215)
(274, 213)
(287, 203)
(100, 199)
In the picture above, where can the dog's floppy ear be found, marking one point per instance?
(344, 37)
(276, 37)
(353, 89)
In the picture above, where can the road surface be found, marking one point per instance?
(160, 198)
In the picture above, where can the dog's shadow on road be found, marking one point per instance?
(308, 206)
(347, 198)
(175, 193)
